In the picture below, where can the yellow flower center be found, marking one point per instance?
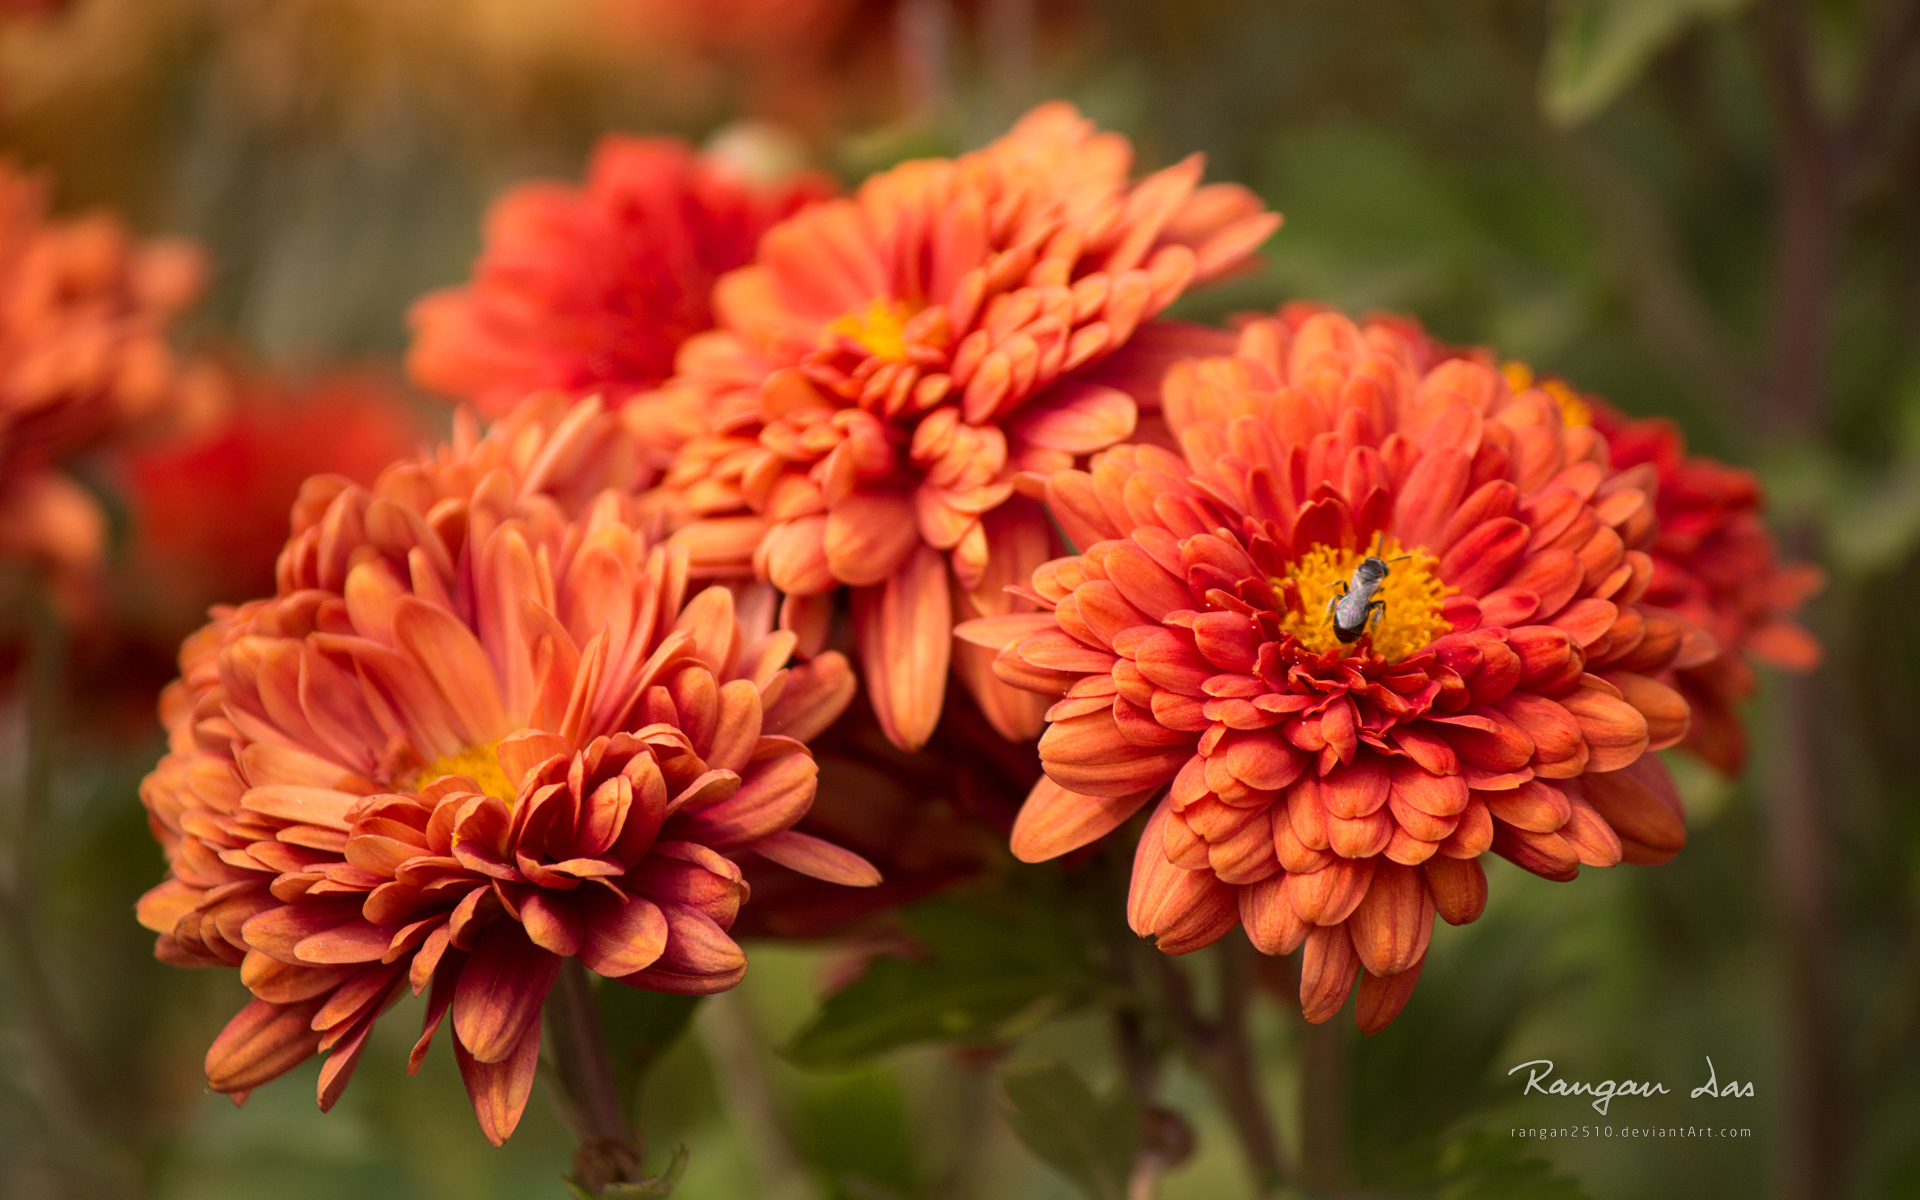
(1573, 410)
(1411, 591)
(882, 329)
(478, 763)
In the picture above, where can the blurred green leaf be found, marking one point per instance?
(988, 976)
(1597, 48)
(1494, 1165)
(640, 1026)
(854, 1131)
(1087, 1138)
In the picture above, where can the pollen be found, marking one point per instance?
(1412, 592)
(478, 763)
(1573, 410)
(881, 329)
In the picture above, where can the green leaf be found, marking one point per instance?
(855, 1132)
(1088, 1139)
(1493, 1165)
(1597, 48)
(988, 976)
(640, 1026)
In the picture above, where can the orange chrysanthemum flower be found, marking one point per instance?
(893, 360)
(474, 735)
(1715, 562)
(84, 311)
(592, 290)
(1329, 794)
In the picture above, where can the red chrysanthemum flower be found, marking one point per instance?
(1337, 795)
(591, 290)
(1714, 561)
(893, 360)
(84, 311)
(473, 736)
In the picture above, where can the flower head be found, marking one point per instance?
(1336, 793)
(475, 734)
(1714, 561)
(891, 362)
(591, 290)
(84, 311)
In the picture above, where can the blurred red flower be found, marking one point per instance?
(1715, 562)
(480, 730)
(1330, 794)
(210, 509)
(891, 362)
(592, 289)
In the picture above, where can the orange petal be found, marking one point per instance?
(1391, 925)
(499, 995)
(1615, 731)
(263, 1041)
(1381, 999)
(819, 859)
(1326, 972)
(904, 629)
(499, 1090)
(795, 554)
(1459, 888)
(623, 936)
(1076, 417)
(1055, 820)
(1651, 827)
(871, 536)
(1089, 754)
(1270, 920)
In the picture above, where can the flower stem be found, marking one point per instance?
(1222, 1050)
(1326, 1066)
(59, 1073)
(610, 1152)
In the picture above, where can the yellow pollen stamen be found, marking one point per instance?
(1573, 410)
(1412, 591)
(881, 329)
(478, 763)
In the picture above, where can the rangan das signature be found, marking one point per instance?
(1604, 1091)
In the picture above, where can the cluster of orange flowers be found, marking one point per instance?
(548, 691)
(84, 360)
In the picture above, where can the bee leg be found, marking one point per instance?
(1339, 594)
(1377, 609)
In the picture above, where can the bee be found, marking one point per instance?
(1352, 608)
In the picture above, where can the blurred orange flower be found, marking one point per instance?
(591, 290)
(480, 730)
(84, 311)
(892, 361)
(1338, 795)
(210, 509)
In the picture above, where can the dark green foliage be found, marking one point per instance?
(1090, 1139)
(1492, 1165)
(990, 973)
(640, 1027)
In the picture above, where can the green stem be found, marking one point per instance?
(609, 1151)
(1326, 1066)
(1223, 1051)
